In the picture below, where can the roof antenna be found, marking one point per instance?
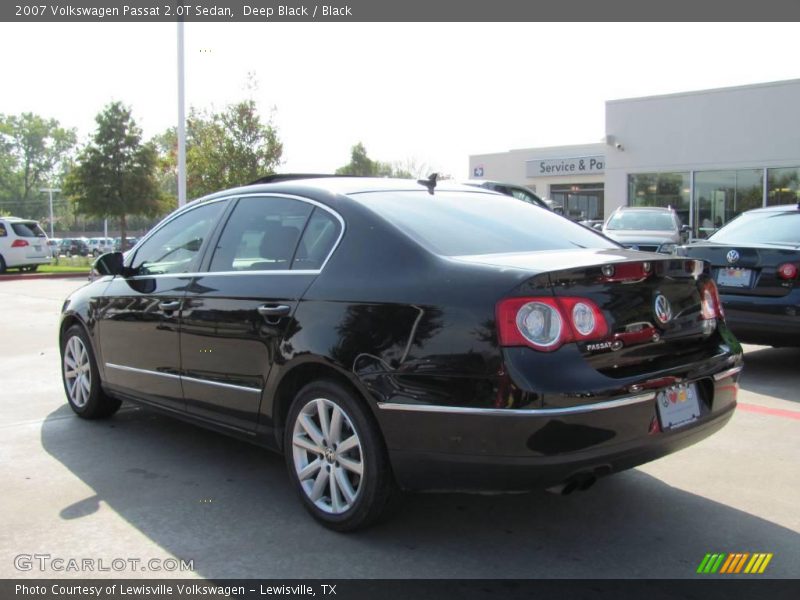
(430, 182)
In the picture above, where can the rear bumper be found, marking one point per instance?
(20, 260)
(764, 320)
(519, 450)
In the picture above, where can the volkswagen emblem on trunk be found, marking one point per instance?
(662, 309)
(732, 256)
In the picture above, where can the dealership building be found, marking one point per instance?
(709, 154)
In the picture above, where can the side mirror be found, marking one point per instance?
(685, 229)
(109, 264)
(598, 226)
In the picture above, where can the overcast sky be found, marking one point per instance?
(435, 93)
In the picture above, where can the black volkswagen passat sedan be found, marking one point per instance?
(755, 260)
(389, 334)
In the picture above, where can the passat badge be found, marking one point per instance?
(732, 256)
(662, 309)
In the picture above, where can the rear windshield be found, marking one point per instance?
(28, 230)
(464, 223)
(641, 221)
(761, 228)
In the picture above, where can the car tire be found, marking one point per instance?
(348, 489)
(2, 265)
(82, 379)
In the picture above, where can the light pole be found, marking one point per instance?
(181, 121)
(50, 191)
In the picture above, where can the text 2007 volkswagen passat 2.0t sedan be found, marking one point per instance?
(389, 334)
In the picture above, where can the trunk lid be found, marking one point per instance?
(749, 270)
(651, 303)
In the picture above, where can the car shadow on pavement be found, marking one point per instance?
(229, 507)
(765, 372)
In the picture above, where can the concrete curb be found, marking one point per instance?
(44, 276)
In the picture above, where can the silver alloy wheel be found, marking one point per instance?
(327, 455)
(77, 371)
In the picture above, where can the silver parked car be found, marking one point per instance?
(646, 228)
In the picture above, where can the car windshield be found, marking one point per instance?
(464, 223)
(641, 221)
(761, 228)
(28, 230)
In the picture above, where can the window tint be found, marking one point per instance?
(761, 228)
(28, 230)
(3, 232)
(261, 235)
(464, 223)
(175, 247)
(319, 237)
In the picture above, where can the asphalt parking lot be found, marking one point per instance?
(143, 486)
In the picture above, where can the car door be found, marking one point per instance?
(236, 314)
(139, 314)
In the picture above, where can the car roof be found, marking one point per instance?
(661, 209)
(776, 208)
(345, 186)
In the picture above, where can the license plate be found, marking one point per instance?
(730, 277)
(678, 405)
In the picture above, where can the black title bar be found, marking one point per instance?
(262, 11)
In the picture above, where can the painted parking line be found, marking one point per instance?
(775, 412)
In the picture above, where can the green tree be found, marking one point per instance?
(362, 165)
(115, 175)
(33, 154)
(223, 149)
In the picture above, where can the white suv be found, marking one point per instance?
(23, 244)
(98, 246)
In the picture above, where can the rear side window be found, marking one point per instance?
(261, 234)
(318, 240)
(30, 230)
(3, 232)
(464, 223)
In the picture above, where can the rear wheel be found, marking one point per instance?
(2, 265)
(336, 457)
(82, 379)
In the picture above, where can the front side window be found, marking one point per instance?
(175, 247)
(261, 234)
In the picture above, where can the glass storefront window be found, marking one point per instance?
(661, 189)
(579, 202)
(722, 195)
(783, 186)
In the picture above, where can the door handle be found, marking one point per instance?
(169, 306)
(281, 310)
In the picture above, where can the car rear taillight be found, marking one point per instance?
(787, 271)
(710, 304)
(19, 243)
(548, 323)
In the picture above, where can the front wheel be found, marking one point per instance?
(336, 457)
(82, 379)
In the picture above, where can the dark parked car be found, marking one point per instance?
(755, 260)
(74, 247)
(519, 192)
(385, 333)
